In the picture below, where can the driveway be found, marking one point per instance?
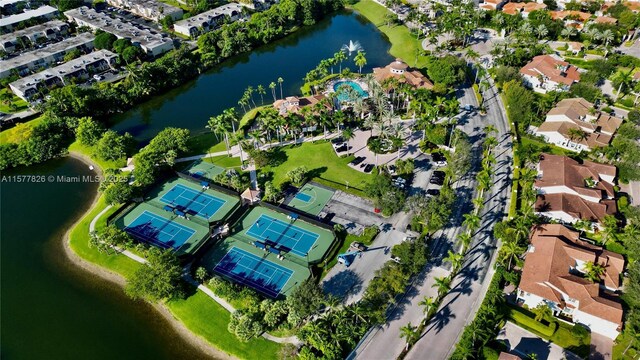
(633, 190)
(523, 343)
(601, 347)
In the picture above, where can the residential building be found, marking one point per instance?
(8, 23)
(492, 4)
(575, 19)
(575, 125)
(554, 275)
(574, 47)
(43, 58)
(153, 42)
(73, 71)
(208, 20)
(10, 7)
(294, 104)
(606, 20)
(402, 72)
(49, 30)
(549, 72)
(570, 192)
(150, 9)
(506, 356)
(523, 9)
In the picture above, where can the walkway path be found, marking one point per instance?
(601, 347)
(187, 277)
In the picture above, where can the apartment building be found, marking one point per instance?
(150, 9)
(208, 20)
(49, 30)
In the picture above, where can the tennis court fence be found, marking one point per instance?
(213, 186)
(111, 219)
(285, 209)
(289, 257)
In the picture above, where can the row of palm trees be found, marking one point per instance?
(471, 223)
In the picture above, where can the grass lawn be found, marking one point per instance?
(19, 132)
(209, 320)
(403, 44)
(561, 337)
(545, 147)
(204, 143)
(89, 151)
(620, 346)
(5, 107)
(326, 167)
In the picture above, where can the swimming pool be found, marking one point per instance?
(343, 96)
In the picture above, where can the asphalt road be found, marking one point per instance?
(350, 283)
(469, 287)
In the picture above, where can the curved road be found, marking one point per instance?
(469, 287)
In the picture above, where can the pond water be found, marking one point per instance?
(191, 105)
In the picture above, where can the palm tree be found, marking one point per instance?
(593, 272)
(340, 56)
(455, 259)
(219, 126)
(478, 203)
(443, 284)
(262, 92)
(568, 32)
(610, 229)
(509, 253)
(541, 31)
(428, 305)
(280, 81)
(606, 36)
(348, 134)
(360, 60)
(409, 333)
(272, 86)
(249, 93)
(465, 239)
(471, 221)
(624, 79)
(577, 135)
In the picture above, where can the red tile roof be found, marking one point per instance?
(555, 250)
(556, 70)
(406, 75)
(564, 171)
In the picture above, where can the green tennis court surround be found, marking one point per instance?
(207, 204)
(203, 170)
(311, 198)
(163, 228)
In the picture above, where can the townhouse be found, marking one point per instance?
(554, 275)
(549, 73)
(11, 42)
(208, 20)
(570, 192)
(574, 124)
(150, 9)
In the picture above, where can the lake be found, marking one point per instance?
(191, 105)
(51, 309)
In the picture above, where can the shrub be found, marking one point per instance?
(529, 322)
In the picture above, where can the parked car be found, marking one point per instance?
(98, 77)
(368, 168)
(342, 148)
(439, 159)
(437, 178)
(433, 192)
(357, 160)
(409, 238)
(357, 246)
(337, 140)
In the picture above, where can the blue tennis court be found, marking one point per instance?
(192, 201)
(263, 275)
(159, 231)
(303, 197)
(285, 236)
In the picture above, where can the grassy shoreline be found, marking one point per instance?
(403, 45)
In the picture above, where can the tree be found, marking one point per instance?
(272, 86)
(158, 278)
(593, 272)
(360, 60)
(261, 91)
(509, 253)
(201, 275)
(306, 299)
(118, 192)
(443, 284)
(471, 221)
(409, 333)
(610, 229)
(113, 146)
(297, 176)
(89, 131)
(542, 312)
(280, 81)
(108, 239)
(428, 305)
(220, 127)
(347, 135)
(339, 57)
(454, 259)
(104, 40)
(577, 135)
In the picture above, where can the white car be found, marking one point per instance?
(97, 77)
